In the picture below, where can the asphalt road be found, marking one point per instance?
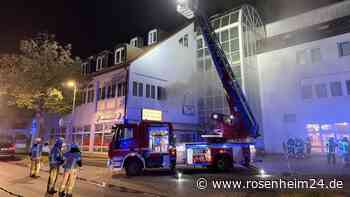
(14, 179)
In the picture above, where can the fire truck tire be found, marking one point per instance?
(223, 163)
(133, 167)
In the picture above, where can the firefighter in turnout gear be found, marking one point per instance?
(35, 158)
(344, 151)
(331, 147)
(55, 161)
(72, 161)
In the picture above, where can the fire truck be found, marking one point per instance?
(233, 139)
(147, 145)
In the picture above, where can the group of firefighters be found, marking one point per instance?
(69, 160)
(298, 148)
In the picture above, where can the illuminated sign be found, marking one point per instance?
(152, 115)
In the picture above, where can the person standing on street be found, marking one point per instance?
(72, 161)
(331, 147)
(35, 158)
(55, 161)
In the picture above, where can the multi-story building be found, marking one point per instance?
(134, 82)
(304, 77)
(294, 73)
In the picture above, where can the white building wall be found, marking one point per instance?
(281, 79)
(171, 66)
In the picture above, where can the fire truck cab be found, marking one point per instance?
(147, 145)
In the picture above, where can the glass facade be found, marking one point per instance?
(240, 33)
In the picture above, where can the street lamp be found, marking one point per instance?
(72, 84)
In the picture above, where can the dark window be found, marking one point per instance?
(119, 90)
(234, 17)
(134, 88)
(336, 88)
(90, 96)
(200, 53)
(307, 92)
(186, 40)
(153, 92)
(348, 86)
(200, 43)
(161, 93)
(344, 49)
(103, 93)
(99, 94)
(216, 24)
(114, 87)
(321, 90)
(225, 21)
(148, 91)
(140, 89)
(109, 91)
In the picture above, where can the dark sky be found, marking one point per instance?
(91, 26)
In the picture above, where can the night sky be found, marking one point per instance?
(92, 26)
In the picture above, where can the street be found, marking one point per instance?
(97, 181)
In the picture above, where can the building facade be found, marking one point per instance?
(304, 78)
(132, 80)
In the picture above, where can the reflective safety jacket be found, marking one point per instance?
(36, 151)
(55, 157)
(72, 160)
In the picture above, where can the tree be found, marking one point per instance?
(33, 79)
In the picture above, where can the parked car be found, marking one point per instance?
(21, 143)
(7, 146)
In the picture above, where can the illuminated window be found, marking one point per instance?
(336, 88)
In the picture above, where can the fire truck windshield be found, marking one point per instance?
(121, 136)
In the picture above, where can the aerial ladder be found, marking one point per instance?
(242, 129)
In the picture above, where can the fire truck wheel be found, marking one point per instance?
(133, 167)
(223, 164)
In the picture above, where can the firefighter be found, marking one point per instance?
(291, 147)
(55, 161)
(308, 146)
(299, 148)
(344, 150)
(35, 158)
(72, 160)
(331, 147)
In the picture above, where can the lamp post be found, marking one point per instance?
(72, 84)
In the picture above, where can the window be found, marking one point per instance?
(234, 33)
(127, 133)
(140, 89)
(234, 17)
(114, 87)
(234, 45)
(121, 89)
(134, 88)
(348, 86)
(119, 56)
(133, 42)
(161, 93)
(200, 43)
(186, 40)
(181, 42)
(224, 36)
(90, 97)
(153, 92)
(306, 92)
(102, 93)
(216, 24)
(321, 90)
(225, 20)
(84, 67)
(344, 49)
(302, 57)
(226, 47)
(148, 91)
(200, 53)
(152, 37)
(316, 55)
(99, 63)
(336, 88)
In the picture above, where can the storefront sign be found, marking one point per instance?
(152, 115)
